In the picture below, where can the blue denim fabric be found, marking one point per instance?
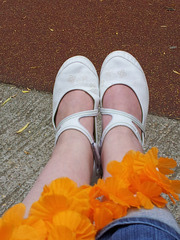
(137, 229)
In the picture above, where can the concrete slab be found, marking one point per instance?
(23, 155)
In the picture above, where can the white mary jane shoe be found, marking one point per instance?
(77, 73)
(120, 67)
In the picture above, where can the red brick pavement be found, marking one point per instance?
(38, 36)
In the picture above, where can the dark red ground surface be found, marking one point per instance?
(38, 36)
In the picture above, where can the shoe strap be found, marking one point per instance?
(120, 118)
(73, 122)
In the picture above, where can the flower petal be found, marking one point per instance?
(38, 225)
(102, 217)
(145, 201)
(77, 223)
(48, 206)
(15, 214)
(164, 165)
(61, 186)
(24, 232)
(61, 232)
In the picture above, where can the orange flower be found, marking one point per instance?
(147, 167)
(102, 217)
(60, 195)
(118, 192)
(122, 169)
(11, 219)
(149, 193)
(166, 185)
(141, 160)
(48, 206)
(6, 230)
(104, 210)
(96, 194)
(151, 158)
(24, 232)
(164, 165)
(73, 225)
(14, 215)
(61, 186)
(61, 232)
(175, 185)
(138, 168)
(38, 225)
(14, 227)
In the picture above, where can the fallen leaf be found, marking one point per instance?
(23, 128)
(7, 100)
(176, 72)
(26, 91)
(51, 29)
(34, 67)
(26, 152)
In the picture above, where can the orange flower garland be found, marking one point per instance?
(65, 211)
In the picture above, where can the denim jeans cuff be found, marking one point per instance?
(136, 229)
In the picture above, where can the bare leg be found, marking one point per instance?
(72, 156)
(120, 139)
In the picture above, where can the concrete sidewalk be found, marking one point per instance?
(24, 155)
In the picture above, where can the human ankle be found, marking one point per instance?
(73, 102)
(122, 98)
